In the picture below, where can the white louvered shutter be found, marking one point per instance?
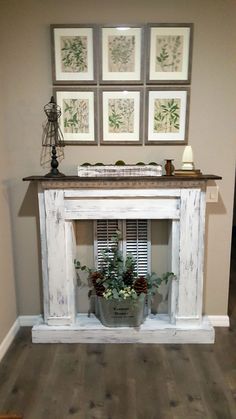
(136, 240)
(103, 232)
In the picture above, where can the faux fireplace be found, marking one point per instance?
(181, 200)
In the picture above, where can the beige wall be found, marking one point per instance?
(26, 66)
(8, 311)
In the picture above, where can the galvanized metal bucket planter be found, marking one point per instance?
(125, 313)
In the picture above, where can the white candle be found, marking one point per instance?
(187, 159)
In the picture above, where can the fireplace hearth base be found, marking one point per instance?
(156, 329)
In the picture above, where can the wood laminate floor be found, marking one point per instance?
(109, 381)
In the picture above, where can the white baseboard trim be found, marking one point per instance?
(219, 321)
(9, 338)
(25, 321)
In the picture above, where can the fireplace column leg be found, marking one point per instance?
(58, 238)
(174, 242)
(191, 253)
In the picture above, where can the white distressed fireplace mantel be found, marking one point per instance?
(181, 200)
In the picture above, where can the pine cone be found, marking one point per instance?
(99, 288)
(128, 278)
(96, 278)
(140, 285)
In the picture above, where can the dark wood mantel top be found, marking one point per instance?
(121, 182)
(120, 178)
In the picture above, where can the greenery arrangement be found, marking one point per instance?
(117, 278)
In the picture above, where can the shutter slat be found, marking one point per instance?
(137, 241)
(104, 230)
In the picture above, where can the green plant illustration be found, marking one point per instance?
(74, 54)
(169, 53)
(121, 115)
(121, 53)
(166, 115)
(76, 115)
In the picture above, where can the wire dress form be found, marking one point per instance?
(52, 139)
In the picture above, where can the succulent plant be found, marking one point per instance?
(86, 164)
(120, 163)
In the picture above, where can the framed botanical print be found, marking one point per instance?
(73, 54)
(121, 115)
(169, 53)
(78, 121)
(167, 115)
(121, 55)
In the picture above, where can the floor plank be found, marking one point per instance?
(120, 381)
(111, 381)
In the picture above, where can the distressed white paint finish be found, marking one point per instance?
(201, 250)
(173, 253)
(44, 253)
(91, 209)
(183, 205)
(117, 171)
(70, 279)
(59, 241)
(156, 329)
(190, 257)
(120, 193)
(214, 320)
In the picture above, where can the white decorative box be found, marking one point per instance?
(116, 171)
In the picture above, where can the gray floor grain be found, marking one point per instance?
(88, 381)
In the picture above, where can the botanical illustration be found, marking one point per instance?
(169, 53)
(76, 115)
(74, 54)
(121, 115)
(166, 115)
(121, 53)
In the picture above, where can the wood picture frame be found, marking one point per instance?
(73, 54)
(121, 115)
(167, 115)
(121, 54)
(169, 53)
(78, 121)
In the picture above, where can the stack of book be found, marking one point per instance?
(181, 172)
